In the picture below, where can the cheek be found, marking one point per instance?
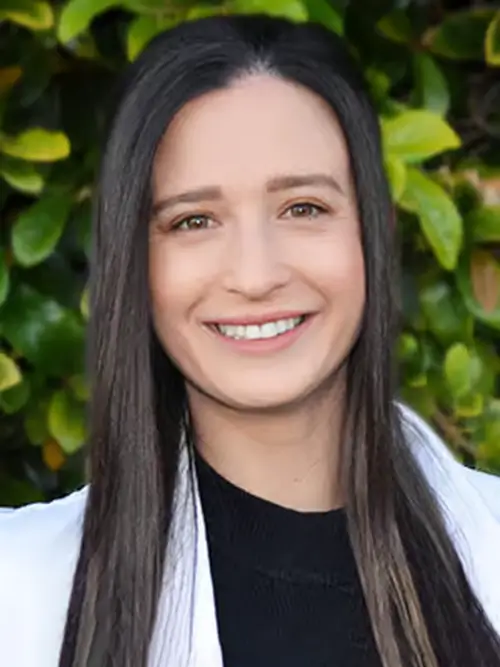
(178, 281)
(171, 288)
(338, 270)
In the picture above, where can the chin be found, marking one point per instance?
(264, 399)
(267, 391)
(261, 403)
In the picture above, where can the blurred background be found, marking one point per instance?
(433, 68)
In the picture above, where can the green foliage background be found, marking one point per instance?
(434, 75)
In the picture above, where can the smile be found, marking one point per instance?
(259, 331)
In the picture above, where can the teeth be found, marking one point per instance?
(258, 332)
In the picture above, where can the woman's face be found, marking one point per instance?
(256, 265)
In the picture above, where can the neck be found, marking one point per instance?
(290, 457)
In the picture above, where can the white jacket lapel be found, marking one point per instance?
(470, 501)
(192, 639)
(186, 629)
(39, 546)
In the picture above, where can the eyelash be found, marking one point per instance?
(301, 204)
(305, 204)
(177, 226)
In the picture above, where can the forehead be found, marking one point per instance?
(258, 127)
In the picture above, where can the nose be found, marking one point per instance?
(256, 263)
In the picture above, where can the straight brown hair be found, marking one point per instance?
(138, 404)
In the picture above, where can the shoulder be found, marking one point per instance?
(442, 467)
(470, 501)
(487, 486)
(39, 533)
(39, 526)
(39, 547)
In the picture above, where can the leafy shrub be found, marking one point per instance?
(432, 75)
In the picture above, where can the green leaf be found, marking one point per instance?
(77, 16)
(461, 36)
(379, 83)
(36, 145)
(417, 135)
(410, 354)
(396, 173)
(492, 427)
(485, 366)
(155, 7)
(439, 218)
(492, 432)
(484, 223)
(466, 194)
(10, 375)
(492, 42)
(4, 277)
(421, 399)
(141, 30)
(445, 313)
(48, 335)
(469, 406)
(457, 370)
(200, 12)
(32, 14)
(408, 347)
(321, 11)
(21, 176)
(56, 278)
(84, 47)
(81, 221)
(66, 420)
(84, 304)
(12, 400)
(17, 493)
(80, 387)
(417, 381)
(35, 422)
(431, 87)
(290, 9)
(396, 26)
(38, 229)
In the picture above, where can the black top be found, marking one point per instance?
(287, 591)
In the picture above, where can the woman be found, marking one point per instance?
(257, 496)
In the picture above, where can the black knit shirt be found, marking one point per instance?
(287, 591)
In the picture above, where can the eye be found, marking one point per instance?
(192, 223)
(305, 210)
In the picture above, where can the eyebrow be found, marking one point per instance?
(276, 184)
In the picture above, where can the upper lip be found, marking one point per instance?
(258, 319)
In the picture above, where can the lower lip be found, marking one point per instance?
(265, 345)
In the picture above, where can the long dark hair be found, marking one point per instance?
(423, 614)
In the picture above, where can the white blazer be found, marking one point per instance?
(39, 547)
